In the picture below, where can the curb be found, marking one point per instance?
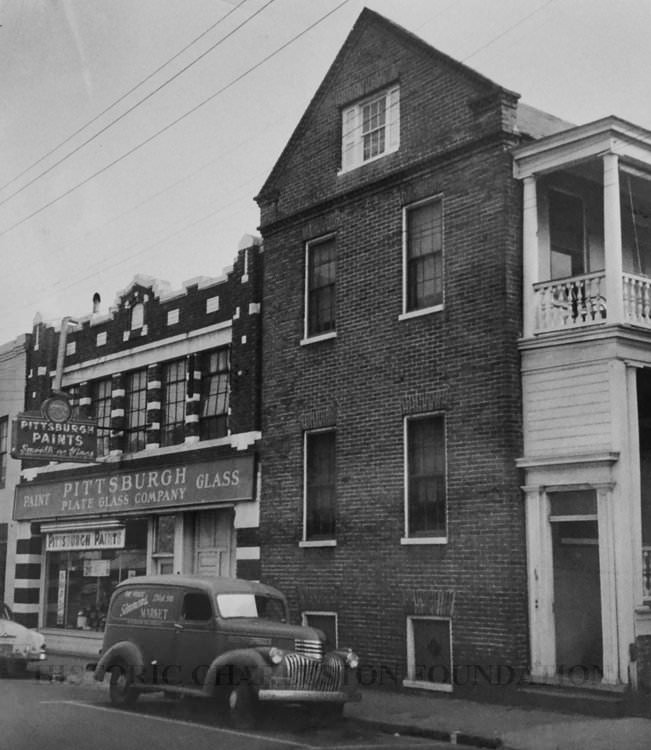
(441, 735)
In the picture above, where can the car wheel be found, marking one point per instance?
(242, 706)
(121, 690)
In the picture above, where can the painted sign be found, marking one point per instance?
(62, 541)
(42, 439)
(219, 481)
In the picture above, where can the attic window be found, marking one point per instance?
(370, 129)
(137, 316)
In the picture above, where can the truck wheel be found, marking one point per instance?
(121, 690)
(242, 707)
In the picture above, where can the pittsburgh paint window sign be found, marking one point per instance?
(37, 438)
(221, 480)
(58, 541)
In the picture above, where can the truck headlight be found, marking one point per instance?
(352, 660)
(275, 655)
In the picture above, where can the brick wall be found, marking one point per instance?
(462, 360)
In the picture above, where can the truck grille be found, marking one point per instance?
(309, 648)
(306, 673)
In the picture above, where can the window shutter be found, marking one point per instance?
(349, 137)
(393, 119)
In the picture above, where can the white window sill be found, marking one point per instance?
(419, 313)
(318, 543)
(321, 337)
(424, 540)
(363, 163)
(434, 686)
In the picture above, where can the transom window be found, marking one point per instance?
(136, 410)
(215, 390)
(321, 286)
(423, 228)
(173, 412)
(370, 129)
(320, 478)
(426, 481)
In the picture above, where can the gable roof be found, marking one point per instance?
(365, 20)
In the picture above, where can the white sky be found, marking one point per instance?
(176, 207)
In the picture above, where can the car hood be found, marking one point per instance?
(263, 631)
(20, 638)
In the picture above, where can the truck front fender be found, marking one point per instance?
(239, 665)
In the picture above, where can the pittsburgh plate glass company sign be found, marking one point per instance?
(43, 439)
(221, 480)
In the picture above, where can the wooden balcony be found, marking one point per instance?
(580, 301)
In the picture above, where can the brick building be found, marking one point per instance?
(391, 380)
(13, 363)
(172, 380)
(456, 376)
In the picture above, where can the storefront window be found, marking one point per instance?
(164, 544)
(80, 582)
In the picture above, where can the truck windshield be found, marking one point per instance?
(250, 605)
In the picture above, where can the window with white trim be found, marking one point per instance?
(174, 387)
(423, 255)
(425, 501)
(429, 653)
(370, 128)
(320, 287)
(325, 622)
(320, 476)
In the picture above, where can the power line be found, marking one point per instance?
(122, 98)
(509, 29)
(134, 106)
(177, 120)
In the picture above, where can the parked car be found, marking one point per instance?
(222, 638)
(18, 644)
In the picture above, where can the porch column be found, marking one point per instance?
(613, 239)
(541, 583)
(530, 254)
(607, 570)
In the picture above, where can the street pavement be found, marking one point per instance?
(448, 719)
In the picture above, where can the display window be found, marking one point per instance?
(80, 582)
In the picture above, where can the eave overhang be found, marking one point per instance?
(579, 144)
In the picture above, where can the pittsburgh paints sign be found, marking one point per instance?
(222, 480)
(59, 541)
(36, 438)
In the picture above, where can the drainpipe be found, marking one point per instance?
(61, 353)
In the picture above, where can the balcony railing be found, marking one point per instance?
(570, 303)
(646, 572)
(580, 301)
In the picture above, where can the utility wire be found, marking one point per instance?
(122, 98)
(135, 106)
(506, 31)
(176, 121)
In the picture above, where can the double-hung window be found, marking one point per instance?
(136, 410)
(320, 480)
(215, 391)
(320, 303)
(423, 255)
(425, 502)
(173, 411)
(100, 398)
(370, 128)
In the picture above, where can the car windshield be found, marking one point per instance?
(251, 605)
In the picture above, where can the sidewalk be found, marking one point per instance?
(481, 724)
(458, 720)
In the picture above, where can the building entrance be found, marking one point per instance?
(577, 586)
